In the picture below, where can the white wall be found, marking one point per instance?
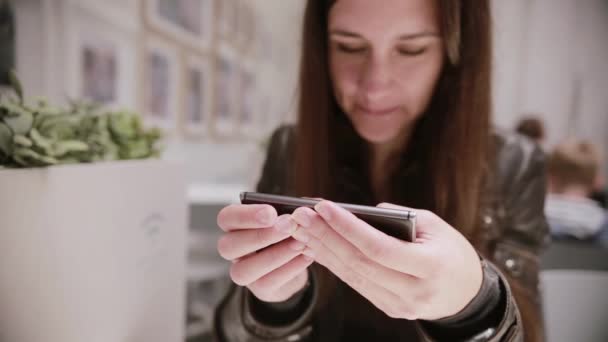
(510, 36)
(29, 23)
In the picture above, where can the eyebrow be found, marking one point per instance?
(344, 33)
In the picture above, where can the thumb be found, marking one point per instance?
(426, 221)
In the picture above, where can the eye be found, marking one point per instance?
(351, 48)
(411, 51)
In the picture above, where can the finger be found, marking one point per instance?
(296, 284)
(378, 296)
(314, 225)
(386, 250)
(240, 243)
(285, 226)
(239, 216)
(286, 291)
(249, 269)
(426, 225)
(283, 279)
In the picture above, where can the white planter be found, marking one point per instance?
(93, 252)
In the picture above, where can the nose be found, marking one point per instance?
(375, 79)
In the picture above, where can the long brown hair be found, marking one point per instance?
(449, 142)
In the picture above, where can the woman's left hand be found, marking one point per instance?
(434, 277)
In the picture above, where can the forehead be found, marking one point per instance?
(386, 17)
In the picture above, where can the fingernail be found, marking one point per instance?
(302, 218)
(323, 209)
(285, 224)
(301, 235)
(265, 216)
(296, 245)
(309, 253)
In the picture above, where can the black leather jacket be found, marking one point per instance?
(514, 233)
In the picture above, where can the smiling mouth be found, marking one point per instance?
(376, 112)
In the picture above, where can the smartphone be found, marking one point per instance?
(400, 224)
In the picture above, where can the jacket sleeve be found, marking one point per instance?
(524, 236)
(515, 257)
(234, 318)
(498, 323)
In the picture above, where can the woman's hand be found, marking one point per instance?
(434, 277)
(265, 258)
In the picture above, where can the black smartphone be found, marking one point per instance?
(400, 224)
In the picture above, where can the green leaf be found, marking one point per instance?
(16, 84)
(13, 109)
(62, 148)
(41, 142)
(35, 133)
(58, 127)
(20, 124)
(135, 150)
(153, 134)
(122, 126)
(46, 121)
(27, 157)
(22, 140)
(6, 139)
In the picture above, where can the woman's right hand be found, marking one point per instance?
(265, 258)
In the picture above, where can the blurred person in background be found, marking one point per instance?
(532, 126)
(572, 171)
(599, 191)
(394, 108)
(602, 236)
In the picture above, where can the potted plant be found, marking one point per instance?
(92, 226)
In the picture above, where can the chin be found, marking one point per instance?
(377, 134)
(378, 129)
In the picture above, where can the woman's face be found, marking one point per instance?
(385, 59)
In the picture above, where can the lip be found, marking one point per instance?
(377, 111)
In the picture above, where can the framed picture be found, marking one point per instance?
(245, 26)
(248, 117)
(161, 82)
(196, 97)
(226, 19)
(190, 21)
(101, 57)
(225, 93)
(98, 69)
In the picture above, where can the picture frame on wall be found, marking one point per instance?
(98, 69)
(227, 17)
(196, 102)
(160, 84)
(189, 21)
(226, 92)
(103, 59)
(244, 32)
(249, 122)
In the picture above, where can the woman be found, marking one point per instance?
(394, 108)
